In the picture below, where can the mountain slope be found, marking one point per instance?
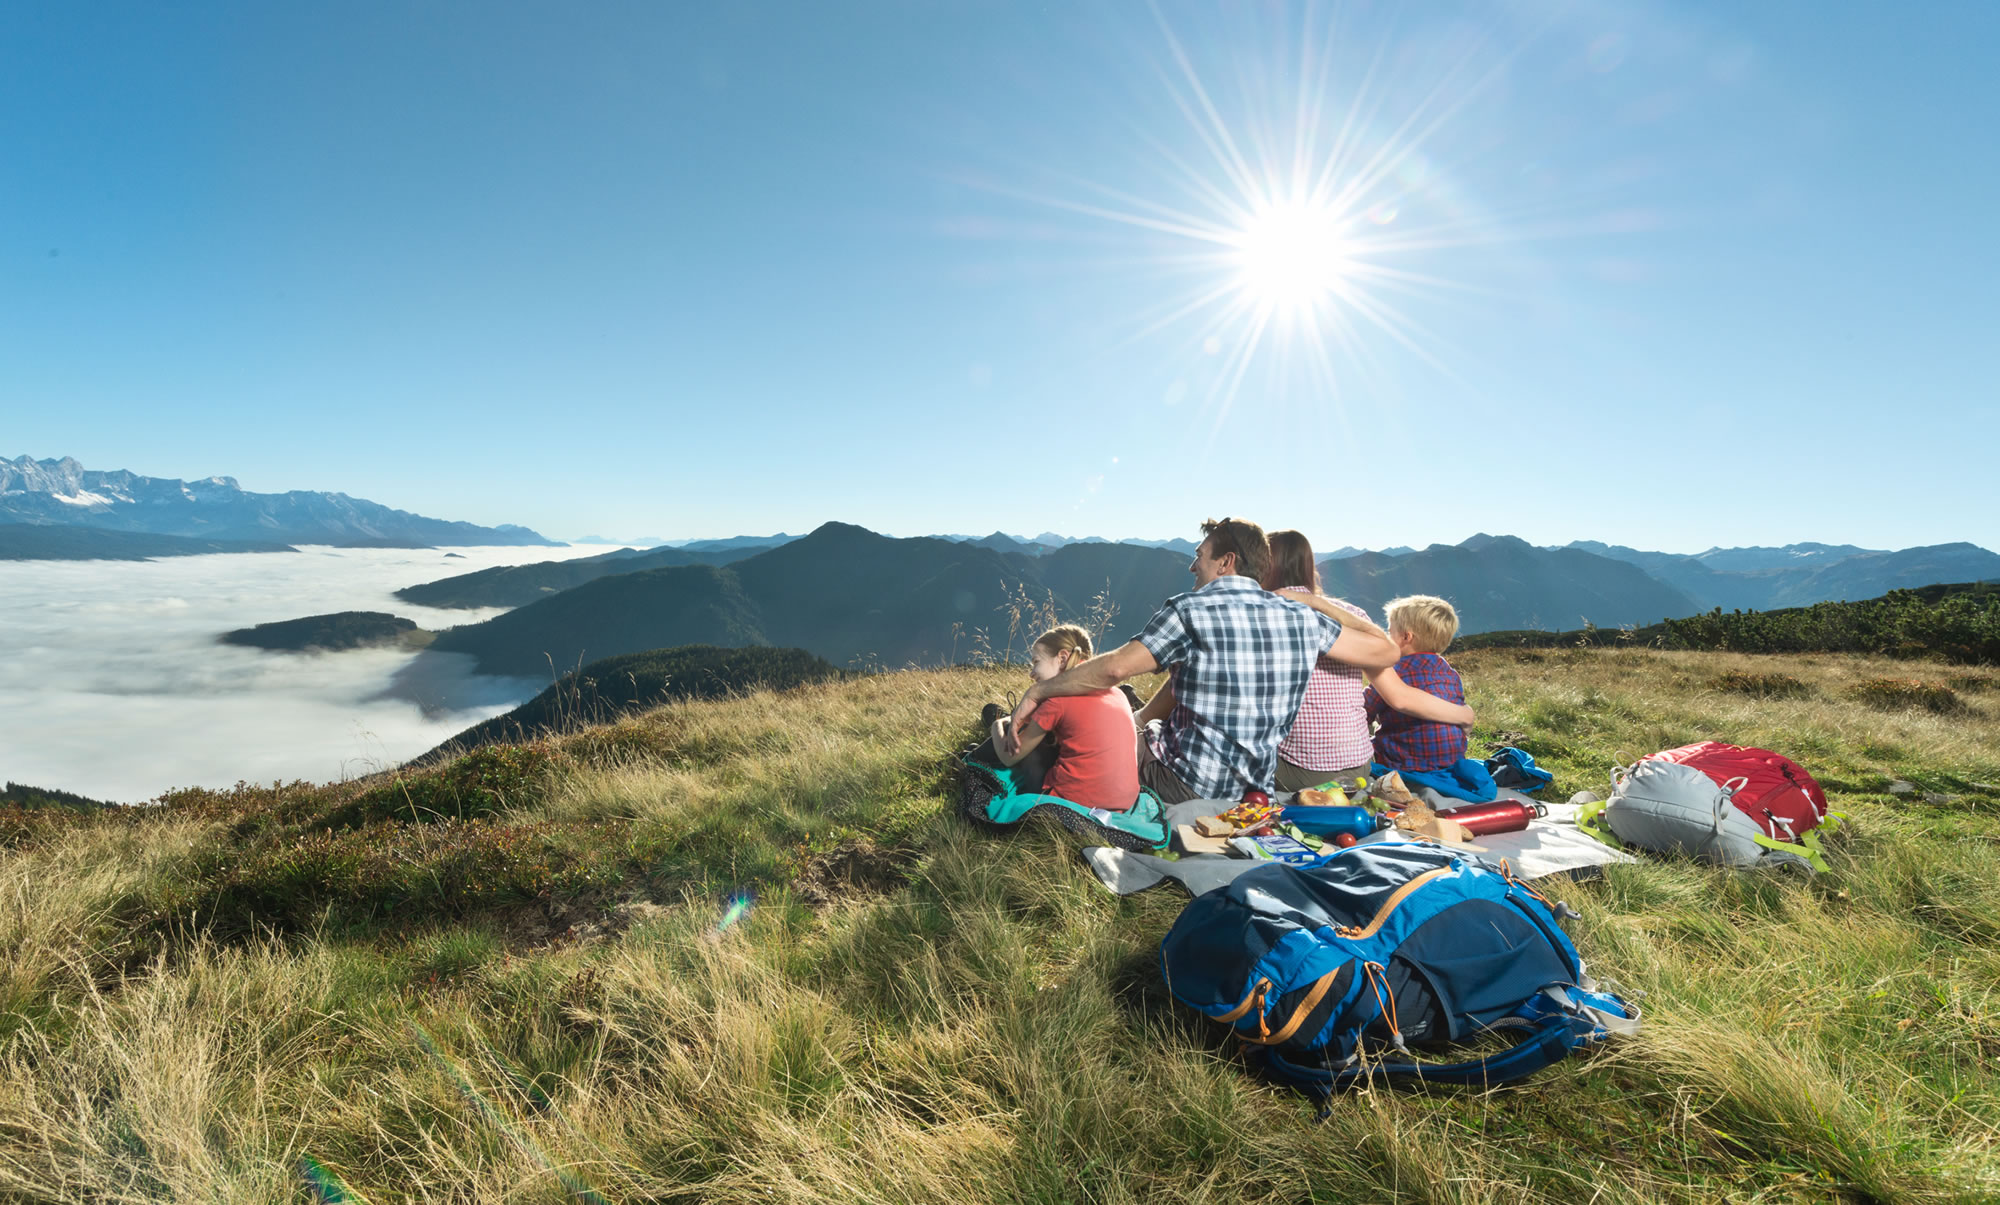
(519, 585)
(846, 593)
(65, 494)
(1803, 574)
(843, 593)
(604, 690)
(47, 542)
(1134, 579)
(1791, 556)
(1877, 573)
(1499, 582)
(625, 613)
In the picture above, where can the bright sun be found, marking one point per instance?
(1291, 257)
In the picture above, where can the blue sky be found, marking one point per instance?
(1664, 275)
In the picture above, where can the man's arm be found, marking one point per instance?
(1363, 649)
(1332, 610)
(1424, 705)
(1360, 644)
(1121, 664)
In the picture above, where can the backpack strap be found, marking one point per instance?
(1565, 1018)
(1547, 1043)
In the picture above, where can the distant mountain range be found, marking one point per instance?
(1798, 575)
(852, 596)
(47, 542)
(1049, 541)
(1503, 582)
(62, 493)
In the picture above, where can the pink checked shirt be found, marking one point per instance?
(1331, 732)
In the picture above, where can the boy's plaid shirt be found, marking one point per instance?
(1405, 742)
(1331, 732)
(1240, 657)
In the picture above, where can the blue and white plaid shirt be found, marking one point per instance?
(1240, 658)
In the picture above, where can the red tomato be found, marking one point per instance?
(1343, 839)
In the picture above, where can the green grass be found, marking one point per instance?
(523, 979)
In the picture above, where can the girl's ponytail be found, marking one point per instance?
(1066, 638)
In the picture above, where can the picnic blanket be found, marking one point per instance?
(1549, 845)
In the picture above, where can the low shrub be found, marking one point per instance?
(1905, 694)
(482, 783)
(400, 874)
(1761, 686)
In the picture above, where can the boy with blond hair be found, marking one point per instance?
(1425, 752)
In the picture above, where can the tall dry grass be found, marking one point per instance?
(993, 1027)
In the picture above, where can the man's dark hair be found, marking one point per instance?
(1242, 537)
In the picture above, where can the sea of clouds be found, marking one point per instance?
(112, 684)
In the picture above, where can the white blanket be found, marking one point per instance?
(1549, 845)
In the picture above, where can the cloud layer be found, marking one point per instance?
(112, 684)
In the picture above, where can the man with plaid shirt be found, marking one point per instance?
(1239, 657)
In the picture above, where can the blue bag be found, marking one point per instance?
(1323, 970)
(1515, 768)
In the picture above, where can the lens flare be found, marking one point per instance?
(326, 1185)
(576, 1186)
(738, 908)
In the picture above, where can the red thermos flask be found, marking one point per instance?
(1500, 816)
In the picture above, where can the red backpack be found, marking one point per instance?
(1721, 803)
(1776, 792)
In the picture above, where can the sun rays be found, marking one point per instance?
(1297, 217)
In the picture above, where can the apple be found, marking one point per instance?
(1256, 798)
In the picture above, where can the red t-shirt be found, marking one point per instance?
(1097, 750)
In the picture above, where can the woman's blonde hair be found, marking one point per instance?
(1066, 638)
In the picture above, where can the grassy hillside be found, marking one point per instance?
(604, 690)
(739, 950)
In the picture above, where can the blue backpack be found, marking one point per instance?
(1324, 969)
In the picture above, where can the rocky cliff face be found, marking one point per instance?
(64, 493)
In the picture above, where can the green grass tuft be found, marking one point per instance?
(1898, 694)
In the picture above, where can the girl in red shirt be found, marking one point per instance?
(1096, 744)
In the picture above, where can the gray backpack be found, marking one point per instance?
(1722, 804)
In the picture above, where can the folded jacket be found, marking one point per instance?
(1464, 779)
